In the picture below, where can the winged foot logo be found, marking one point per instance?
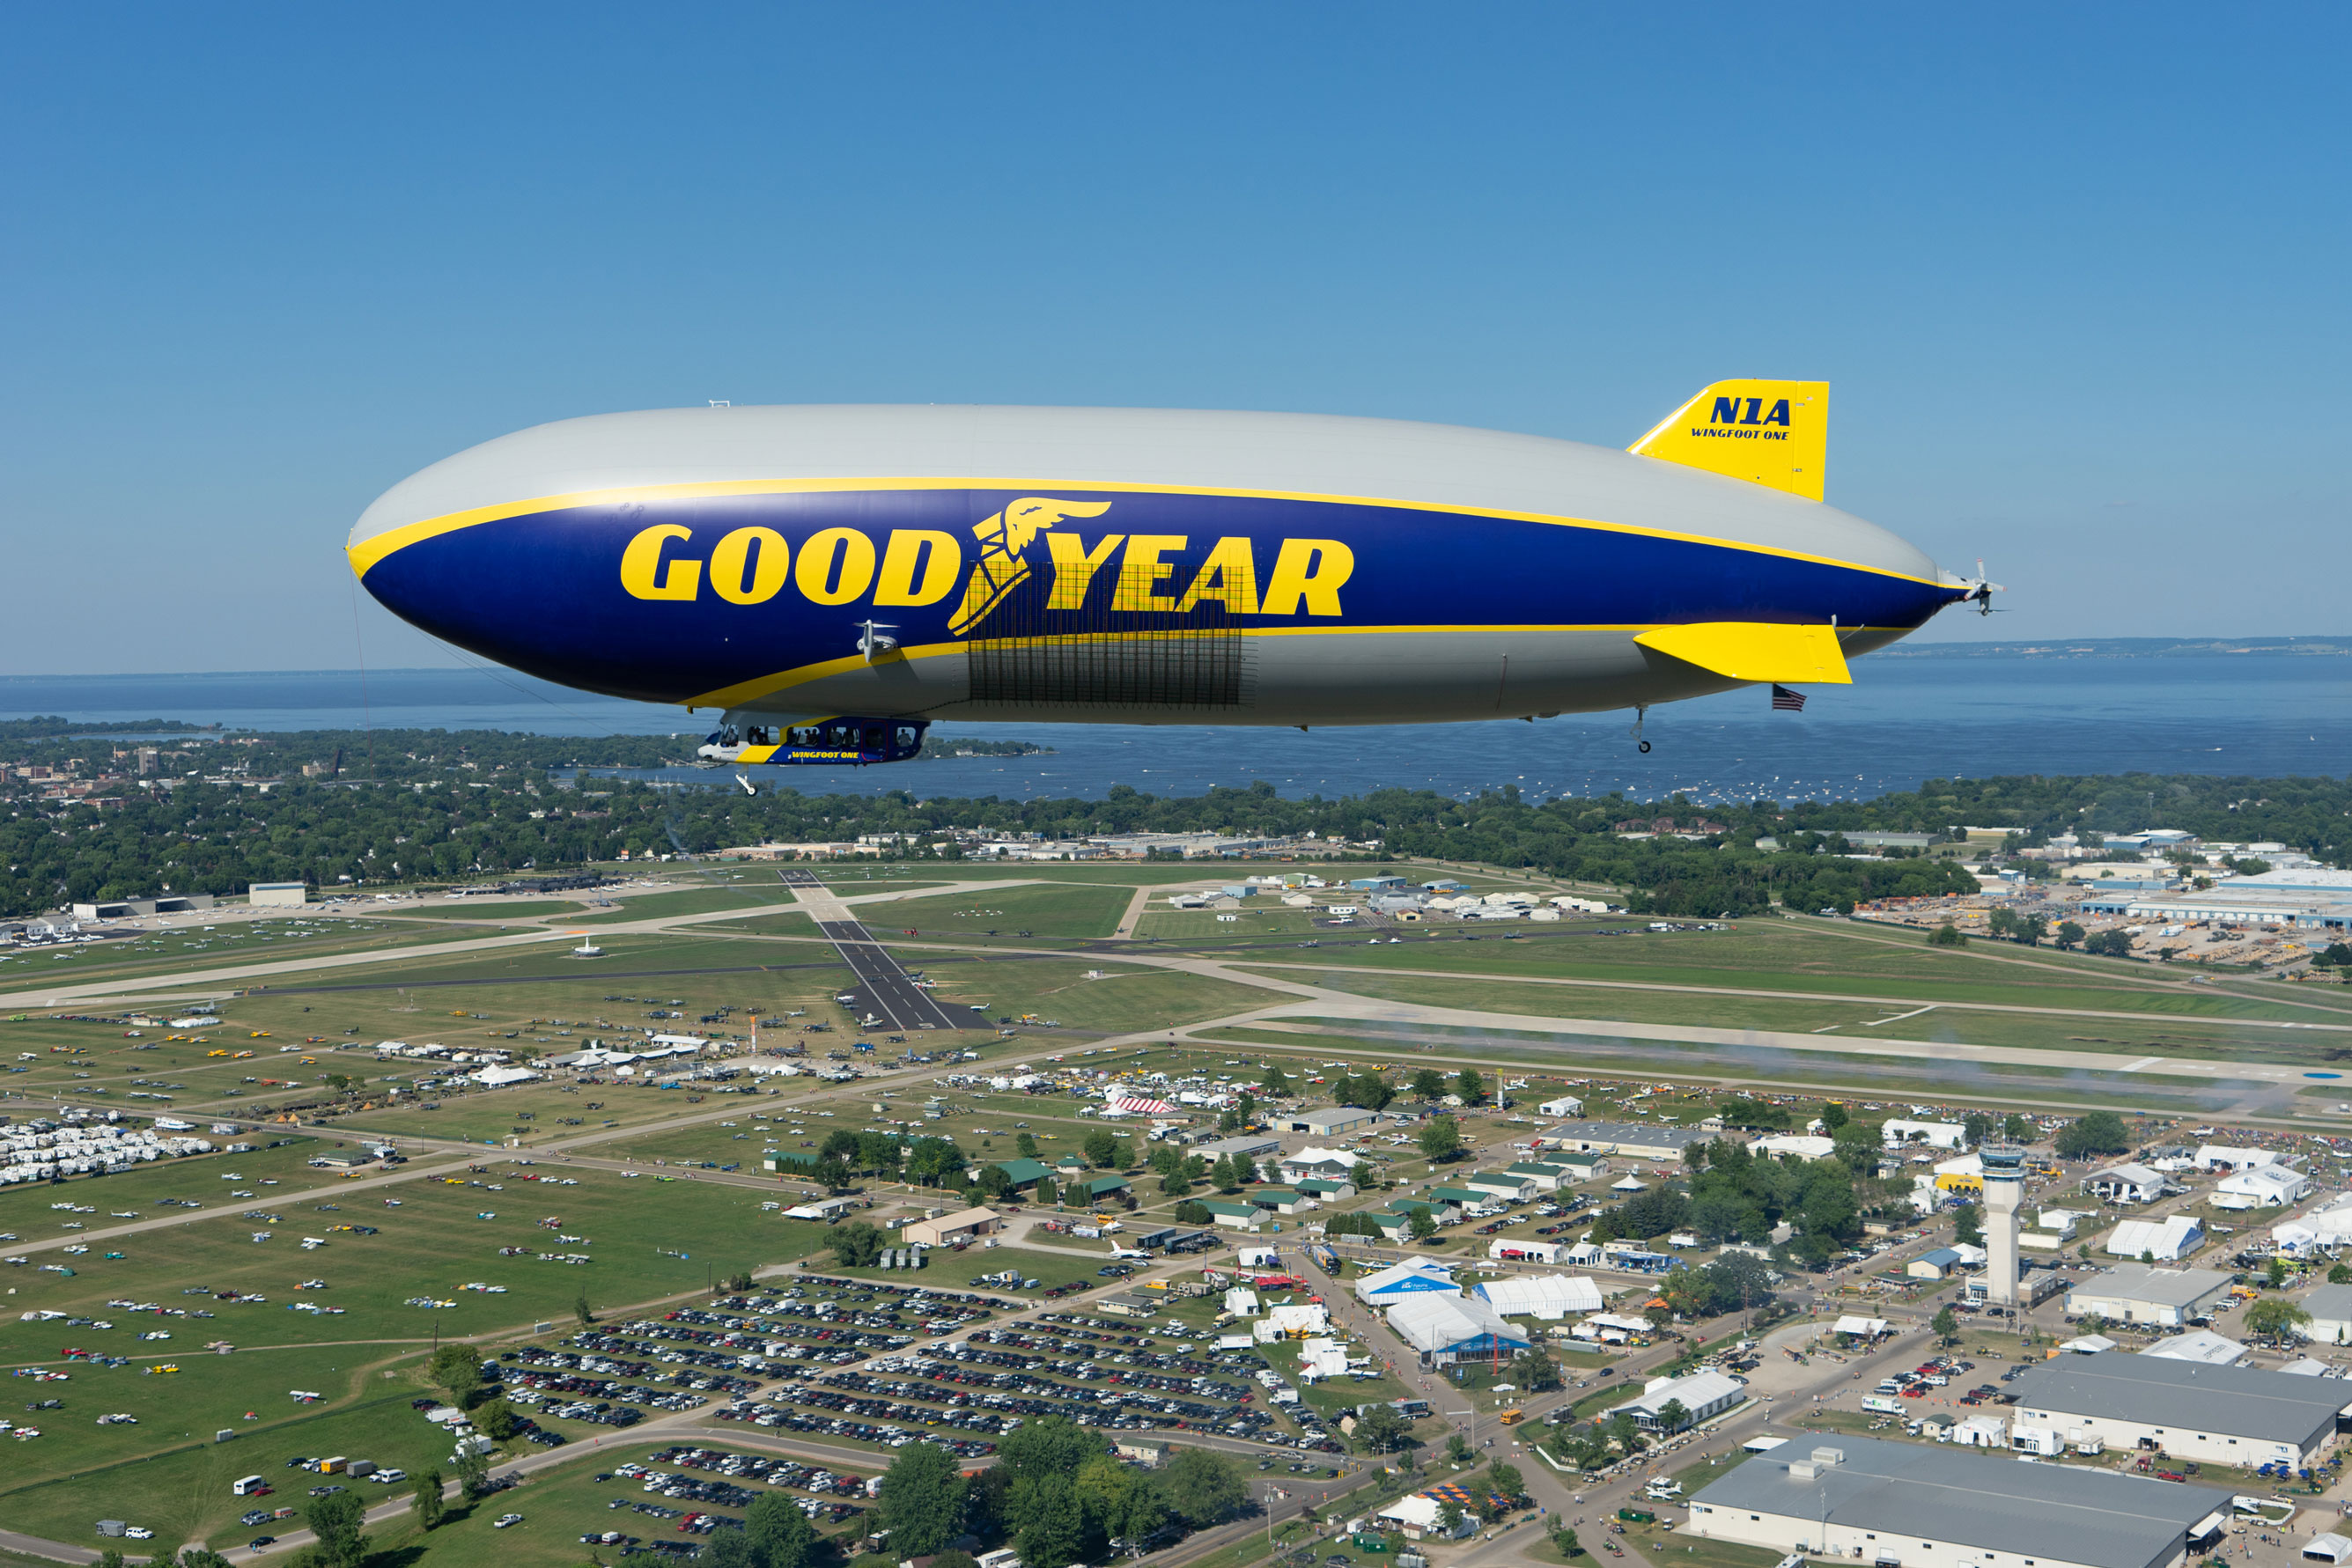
(1004, 539)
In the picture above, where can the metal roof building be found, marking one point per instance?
(1639, 1139)
(1874, 1501)
(2137, 1293)
(1329, 1121)
(2190, 1410)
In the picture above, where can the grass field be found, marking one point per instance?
(1196, 928)
(29, 1209)
(1048, 913)
(492, 911)
(561, 1505)
(752, 895)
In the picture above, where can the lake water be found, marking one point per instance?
(1905, 720)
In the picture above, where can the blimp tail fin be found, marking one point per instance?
(1756, 651)
(1767, 432)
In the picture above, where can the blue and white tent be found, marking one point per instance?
(1414, 1276)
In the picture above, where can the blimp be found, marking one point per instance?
(827, 581)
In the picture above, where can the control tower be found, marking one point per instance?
(2004, 1191)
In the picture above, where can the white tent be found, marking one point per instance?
(2204, 1346)
(1452, 1325)
(1412, 1277)
(1868, 1328)
(1546, 1296)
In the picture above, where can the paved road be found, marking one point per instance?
(884, 987)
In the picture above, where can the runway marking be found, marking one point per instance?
(2143, 1061)
(888, 991)
(1898, 1017)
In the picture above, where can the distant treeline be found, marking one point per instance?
(448, 805)
(392, 755)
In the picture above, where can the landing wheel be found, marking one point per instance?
(1644, 746)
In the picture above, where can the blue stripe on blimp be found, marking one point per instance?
(669, 599)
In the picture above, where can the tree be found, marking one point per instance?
(579, 1310)
(1380, 1429)
(1026, 1145)
(498, 1420)
(1368, 1092)
(2018, 1128)
(1470, 1086)
(1275, 1084)
(934, 1161)
(1440, 1138)
(1203, 1488)
(2114, 943)
(856, 1244)
(1947, 1326)
(1191, 1214)
(473, 1472)
(2275, 1272)
(727, 1549)
(1623, 1431)
(338, 1521)
(2092, 1133)
(1534, 1371)
(921, 1501)
(1429, 1085)
(1047, 1190)
(995, 1183)
(192, 1557)
(1834, 1115)
(780, 1534)
(457, 1371)
(430, 1508)
(1564, 1537)
(1449, 1516)
(1423, 1224)
(110, 1558)
(1223, 1177)
(1505, 1481)
(1975, 1127)
(1968, 1226)
(1948, 935)
(831, 1174)
(1101, 1148)
(2274, 1318)
(1457, 1448)
(2339, 1274)
(2070, 936)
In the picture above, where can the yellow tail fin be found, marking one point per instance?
(1767, 433)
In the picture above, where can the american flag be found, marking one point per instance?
(1786, 701)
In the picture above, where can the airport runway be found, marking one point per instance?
(884, 989)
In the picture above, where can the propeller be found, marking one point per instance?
(871, 642)
(1980, 589)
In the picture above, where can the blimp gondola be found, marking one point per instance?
(829, 580)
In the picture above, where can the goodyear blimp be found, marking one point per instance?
(832, 580)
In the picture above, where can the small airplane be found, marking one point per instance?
(1136, 1252)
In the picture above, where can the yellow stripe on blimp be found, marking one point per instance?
(365, 555)
(1756, 651)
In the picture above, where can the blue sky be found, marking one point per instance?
(2074, 274)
